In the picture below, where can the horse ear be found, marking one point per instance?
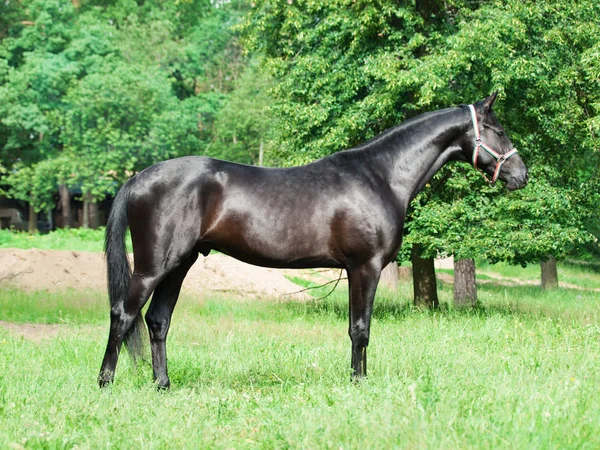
(489, 102)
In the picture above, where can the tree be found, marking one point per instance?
(531, 52)
(244, 124)
(549, 273)
(35, 185)
(34, 75)
(424, 282)
(110, 87)
(346, 70)
(342, 68)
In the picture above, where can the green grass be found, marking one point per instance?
(53, 307)
(520, 371)
(74, 239)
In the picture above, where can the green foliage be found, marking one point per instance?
(245, 122)
(96, 92)
(93, 91)
(517, 227)
(347, 70)
(33, 184)
(536, 54)
(121, 122)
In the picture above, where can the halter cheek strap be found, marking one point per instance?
(500, 158)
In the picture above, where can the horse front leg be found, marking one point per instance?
(362, 285)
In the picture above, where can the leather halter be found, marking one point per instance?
(500, 158)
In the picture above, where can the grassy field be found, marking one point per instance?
(74, 239)
(521, 371)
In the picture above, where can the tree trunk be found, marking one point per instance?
(94, 216)
(32, 220)
(465, 289)
(86, 212)
(389, 276)
(424, 283)
(90, 212)
(65, 206)
(50, 218)
(549, 274)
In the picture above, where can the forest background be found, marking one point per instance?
(93, 91)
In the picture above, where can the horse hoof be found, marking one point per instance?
(356, 378)
(104, 382)
(163, 387)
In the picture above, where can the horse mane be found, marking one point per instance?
(364, 150)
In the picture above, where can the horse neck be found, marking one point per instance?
(412, 154)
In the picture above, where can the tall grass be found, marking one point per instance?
(520, 371)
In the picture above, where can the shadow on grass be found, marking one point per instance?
(585, 266)
(190, 375)
(524, 300)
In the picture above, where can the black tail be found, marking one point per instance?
(119, 272)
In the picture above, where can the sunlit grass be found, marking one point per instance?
(53, 307)
(74, 239)
(519, 371)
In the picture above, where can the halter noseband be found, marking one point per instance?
(500, 159)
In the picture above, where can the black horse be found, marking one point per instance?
(343, 211)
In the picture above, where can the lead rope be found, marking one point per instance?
(500, 159)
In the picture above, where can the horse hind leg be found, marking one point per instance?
(124, 320)
(158, 318)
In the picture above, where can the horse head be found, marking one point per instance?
(490, 150)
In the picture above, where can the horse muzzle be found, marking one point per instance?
(517, 182)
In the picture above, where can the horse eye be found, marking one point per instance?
(499, 132)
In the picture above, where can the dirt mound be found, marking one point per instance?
(51, 269)
(56, 269)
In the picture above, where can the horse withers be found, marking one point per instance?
(345, 211)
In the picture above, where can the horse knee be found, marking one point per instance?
(158, 326)
(359, 334)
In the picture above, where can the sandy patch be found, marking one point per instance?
(56, 269)
(32, 332)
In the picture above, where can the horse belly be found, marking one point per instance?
(280, 242)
